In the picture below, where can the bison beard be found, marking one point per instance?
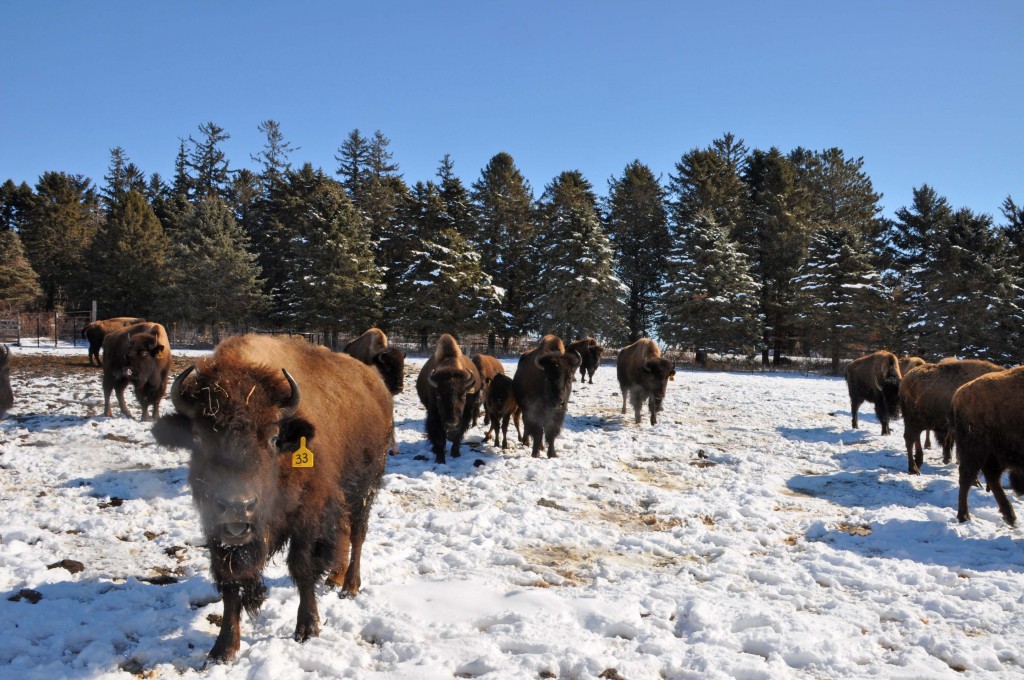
(241, 420)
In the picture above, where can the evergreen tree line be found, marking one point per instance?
(740, 251)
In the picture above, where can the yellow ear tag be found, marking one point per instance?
(303, 457)
(672, 378)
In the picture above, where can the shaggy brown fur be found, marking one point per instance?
(875, 378)
(448, 386)
(501, 407)
(242, 413)
(987, 417)
(926, 395)
(488, 367)
(541, 387)
(643, 376)
(97, 330)
(140, 355)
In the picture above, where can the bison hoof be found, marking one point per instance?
(963, 516)
(914, 470)
(305, 631)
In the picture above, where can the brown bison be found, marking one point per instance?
(488, 367)
(244, 413)
(875, 378)
(926, 395)
(97, 330)
(909, 363)
(449, 386)
(373, 350)
(541, 387)
(590, 354)
(140, 355)
(6, 395)
(500, 405)
(643, 376)
(987, 417)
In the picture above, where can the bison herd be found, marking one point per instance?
(288, 441)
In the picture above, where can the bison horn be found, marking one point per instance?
(291, 403)
(184, 406)
(472, 380)
(576, 359)
(432, 380)
(537, 357)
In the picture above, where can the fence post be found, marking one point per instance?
(93, 316)
(56, 314)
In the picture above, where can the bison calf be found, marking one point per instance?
(987, 417)
(6, 394)
(500, 406)
(448, 386)
(541, 387)
(875, 378)
(140, 355)
(926, 396)
(288, 444)
(643, 376)
(488, 367)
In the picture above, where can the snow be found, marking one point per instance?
(750, 533)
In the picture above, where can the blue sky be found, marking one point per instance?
(926, 92)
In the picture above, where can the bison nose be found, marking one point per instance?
(236, 509)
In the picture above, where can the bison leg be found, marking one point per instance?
(591, 377)
(307, 623)
(927, 439)
(230, 637)
(912, 439)
(652, 406)
(550, 434)
(625, 396)
(119, 391)
(353, 576)
(504, 431)
(435, 433)
(947, 445)
(993, 477)
(854, 407)
(536, 434)
(638, 405)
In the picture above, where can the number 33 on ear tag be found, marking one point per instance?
(303, 457)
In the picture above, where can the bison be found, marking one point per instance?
(373, 350)
(140, 355)
(987, 417)
(541, 387)
(926, 395)
(500, 405)
(488, 367)
(449, 386)
(909, 363)
(590, 354)
(643, 376)
(6, 395)
(97, 330)
(288, 446)
(875, 378)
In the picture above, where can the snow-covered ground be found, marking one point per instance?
(750, 534)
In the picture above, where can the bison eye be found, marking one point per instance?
(273, 440)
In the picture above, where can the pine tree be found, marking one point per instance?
(710, 299)
(504, 206)
(209, 165)
(774, 233)
(15, 203)
(352, 158)
(213, 279)
(61, 222)
(840, 194)
(19, 283)
(581, 295)
(843, 293)
(637, 224)
(123, 176)
(710, 179)
(441, 286)
(274, 158)
(125, 267)
(330, 281)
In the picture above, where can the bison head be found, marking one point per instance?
(451, 386)
(144, 359)
(654, 378)
(559, 369)
(242, 429)
(390, 362)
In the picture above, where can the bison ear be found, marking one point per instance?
(174, 431)
(291, 433)
(156, 350)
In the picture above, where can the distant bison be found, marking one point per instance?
(140, 355)
(643, 376)
(97, 330)
(987, 417)
(244, 413)
(590, 356)
(875, 378)
(488, 367)
(541, 387)
(926, 396)
(373, 350)
(501, 407)
(6, 395)
(448, 386)
(907, 364)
